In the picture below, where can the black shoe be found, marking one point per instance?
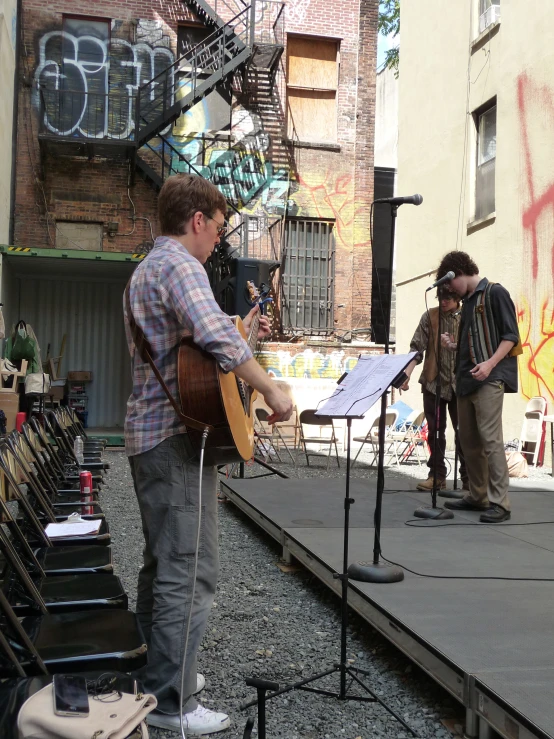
(495, 514)
(463, 505)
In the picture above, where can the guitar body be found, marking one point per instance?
(218, 399)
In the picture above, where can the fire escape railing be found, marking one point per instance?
(161, 100)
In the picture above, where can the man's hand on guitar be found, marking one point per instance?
(280, 404)
(264, 329)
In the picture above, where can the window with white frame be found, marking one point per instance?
(489, 13)
(485, 120)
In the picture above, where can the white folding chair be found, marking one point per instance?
(409, 439)
(372, 436)
(533, 429)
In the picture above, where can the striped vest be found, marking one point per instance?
(483, 333)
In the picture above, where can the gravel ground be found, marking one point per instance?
(281, 624)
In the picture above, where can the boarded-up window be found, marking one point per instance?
(71, 235)
(312, 79)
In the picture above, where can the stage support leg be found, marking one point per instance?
(485, 731)
(286, 556)
(472, 724)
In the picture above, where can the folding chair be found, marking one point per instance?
(17, 688)
(408, 439)
(70, 642)
(63, 478)
(372, 436)
(272, 434)
(309, 418)
(533, 431)
(59, 431)
(61, 560)
(60, 593)
(42, 511)
(79, 429)
(61, 506)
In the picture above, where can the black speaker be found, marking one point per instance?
(235, 299)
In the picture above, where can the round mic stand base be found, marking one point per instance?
(434, 513)
(451, 494)
(380, 572)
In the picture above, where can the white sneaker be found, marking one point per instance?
(197, 723)
(200, 682)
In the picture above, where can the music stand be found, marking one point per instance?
(356, 394)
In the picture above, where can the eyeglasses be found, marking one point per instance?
(221, 230)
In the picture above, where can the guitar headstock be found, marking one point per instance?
(254, 295)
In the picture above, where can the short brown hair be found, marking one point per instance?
(181, 197)
(458, 262)
(443, 293)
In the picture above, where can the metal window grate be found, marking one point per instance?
(308, 276)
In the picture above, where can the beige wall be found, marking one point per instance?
(7, 65)
(436, 158)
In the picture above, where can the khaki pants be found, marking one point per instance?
(480, 430)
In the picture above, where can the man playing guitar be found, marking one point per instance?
(170, 297)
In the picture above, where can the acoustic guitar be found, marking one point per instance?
(219, 398)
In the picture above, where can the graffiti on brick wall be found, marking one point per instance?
(88, 82)
(296, 10)
(328, 194)
(309, 363)
(239, 165)
(535, 303)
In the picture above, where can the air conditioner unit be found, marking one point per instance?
(490, 16)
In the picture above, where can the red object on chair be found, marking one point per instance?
(20, 420)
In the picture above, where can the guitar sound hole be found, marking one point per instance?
(242, 392)
(245, 392)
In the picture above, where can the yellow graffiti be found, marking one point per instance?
(536, 365)
(308, 363)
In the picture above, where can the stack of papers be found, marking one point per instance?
(81, 528)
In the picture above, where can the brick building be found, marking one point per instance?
(273, 102)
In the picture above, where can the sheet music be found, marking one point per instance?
(364, 385)
(81, 528)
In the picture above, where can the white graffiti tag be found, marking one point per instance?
(88, 85)
(296, 10)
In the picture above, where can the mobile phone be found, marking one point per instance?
(70, 695)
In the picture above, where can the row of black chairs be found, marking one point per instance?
(62, 610)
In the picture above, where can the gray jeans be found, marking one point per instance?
(166, 484)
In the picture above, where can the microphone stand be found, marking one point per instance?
(378, 571)
(433, 511)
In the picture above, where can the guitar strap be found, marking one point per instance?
(144, 349)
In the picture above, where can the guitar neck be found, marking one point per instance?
(253, 336)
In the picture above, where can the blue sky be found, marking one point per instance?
(383, 44)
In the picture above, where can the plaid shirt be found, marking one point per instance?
(171, 298)
(449, 324)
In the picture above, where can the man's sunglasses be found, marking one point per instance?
(221, 230)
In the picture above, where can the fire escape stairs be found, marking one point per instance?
(234, 50)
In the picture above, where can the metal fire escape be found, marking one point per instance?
(242, 52)
(244, 47)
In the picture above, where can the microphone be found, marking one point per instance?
(408, 200)
(448, 276)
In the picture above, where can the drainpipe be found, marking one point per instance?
(18, 32)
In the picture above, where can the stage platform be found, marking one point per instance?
(490, 643)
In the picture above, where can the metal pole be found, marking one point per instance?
(382, 420)
(344, 577)
(252, 22)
